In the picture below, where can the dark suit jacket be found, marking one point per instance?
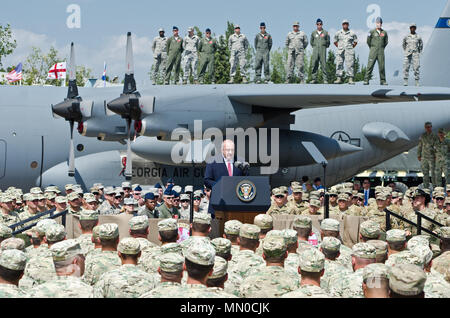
(214, 171)
(371, 192)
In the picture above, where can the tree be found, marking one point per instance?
(222, 56)
(37, 66)
(7, 44)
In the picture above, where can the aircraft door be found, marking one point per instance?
(2, 158)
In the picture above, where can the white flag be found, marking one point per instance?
(57, 71)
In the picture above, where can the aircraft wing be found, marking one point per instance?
(311, 96)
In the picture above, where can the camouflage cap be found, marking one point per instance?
(331, 243)
(343, 197)
(364, 250)
(167, 225)
(395, 235)
(50, 195)
(375, 270)
(12, 243)
(13, 259)
(297, 189)
(439, 195)
(171, 262)
(138, 222)
(311, 260)
(284, 189)
(201, 253)
(65, 250)
(68, 186)
(6, 198)
(188, 188)
(198, 193)
(380, 246)
(249, 231)
(232, 227)
(424, 252)
(330, 225)
(94, 190)
(5, 231)
(418, 240)
(202, 218)
(108, 231)
(275, 233)
(314, 203)
(95, 231)
(220, 268)
(89, 197)
(129, 246)
(26, 197)
(89, 214)
(405, 257)
(221, 245)
(360, 196)
(43, 225)
(370, 229)
(290, 236)
(60, 199)
(109, 190)
(171, 248)
(380, 196)
(72, 196)
(302, 221)
(407, 279)
(36, 190)
(277, 191)
(274, 246)
(444, 232)
(263, 221)
(184, 196)
(333, 191)
(295, 184)
(412, 25)
(296, 23)
(55, 233)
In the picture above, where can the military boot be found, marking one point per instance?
(383, 83)
(313, 82)
(405, 82)
(231, 81)
(350, 81)
(417, 83)
(366, 82)
(302, 81)
(244, 80)
(184, 82)
(196, 82)
(338, 80)
(287, 81)
(325, 81)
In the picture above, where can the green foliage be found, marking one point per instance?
(278, 60)
(7, 44)
(38, 64)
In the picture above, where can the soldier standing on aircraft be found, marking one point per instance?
(207, 47)
(159, 48)
(377, 40)
(190, 58)
(442, 148)
(174, 50)
(345, 40)
(238, 45)
(263, 45)
(412, 45)
(426, 154)
(320, 41)
(296, 43)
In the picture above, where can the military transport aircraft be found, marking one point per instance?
(354, 126)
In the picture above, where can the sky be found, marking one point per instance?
(101, 33)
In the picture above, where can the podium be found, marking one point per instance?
(240, 198)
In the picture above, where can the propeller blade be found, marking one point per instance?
(129, 85)
(128, 168)
(72, 91)
(71, 172)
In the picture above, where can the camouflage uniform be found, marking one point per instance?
(11, 291)
(127, 281)
(284, 209)
(412, 47)
(62, 287)
(426, 150)
(190, 58)
(12, 260)
(332, 268)
(243, 262)
(145, 211)
(107, 209)
(98, 264)
(39, 269)
(308, 291)
(291, 264)
(159, 45)
(296, 43)
(238, 45)
(86, 244)
(436, 286)
(163, 290)
(442, 149)
(9, 219)
(345, 51)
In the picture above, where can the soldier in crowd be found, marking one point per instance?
(5, 232)
(296, 201)
(345, 40)
(406, 281)
(291, 261)
(88, 220)
(320, 41)
(265, 223)
(167, 210)
(201, 227)
(148, 209)
(369, 230)
(231, 230)
(238, 46)
(69, 267)
(74, 201)
(271, 280)
(185, 209)
(280, 205)
(216, 281)
(375, 281)
(190, 57)
(126, 281)
(110, 205)
(263, 45)
(8, 216)
(107, 259)
(442, 151)
(296, 43)
(207, 48)
(139, 230)
(377, 40)
(12, 265)
(171, 271)
(396, 240)
(159, 48)
(412, 47)
(174, 49)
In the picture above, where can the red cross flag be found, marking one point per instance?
(57, 71)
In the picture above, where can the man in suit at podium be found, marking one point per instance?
(222, 166)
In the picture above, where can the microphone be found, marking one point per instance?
(244, 166)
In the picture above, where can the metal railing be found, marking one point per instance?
(418, 225)
(35, 217)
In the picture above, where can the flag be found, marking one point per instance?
(57, 71)
(15, 75)
(104, 71)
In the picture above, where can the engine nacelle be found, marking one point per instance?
(105, 128)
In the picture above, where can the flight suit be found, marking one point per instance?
(296, 43)
(376, 41)
(319, 42)
(190, 58)
(427, 152)
(159, 48)
(412, 47)
(263, 45)
(174, 50)
(207, 47)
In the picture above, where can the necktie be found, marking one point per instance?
(229, 169)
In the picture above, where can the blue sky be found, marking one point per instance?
(105, 23)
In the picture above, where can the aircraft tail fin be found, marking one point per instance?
(435, 68)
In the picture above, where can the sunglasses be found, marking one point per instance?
(279, 196)
(439, 199)
(184, 200)
(197, 198)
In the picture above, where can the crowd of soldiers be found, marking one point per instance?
(307, 259)
(197, 54)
